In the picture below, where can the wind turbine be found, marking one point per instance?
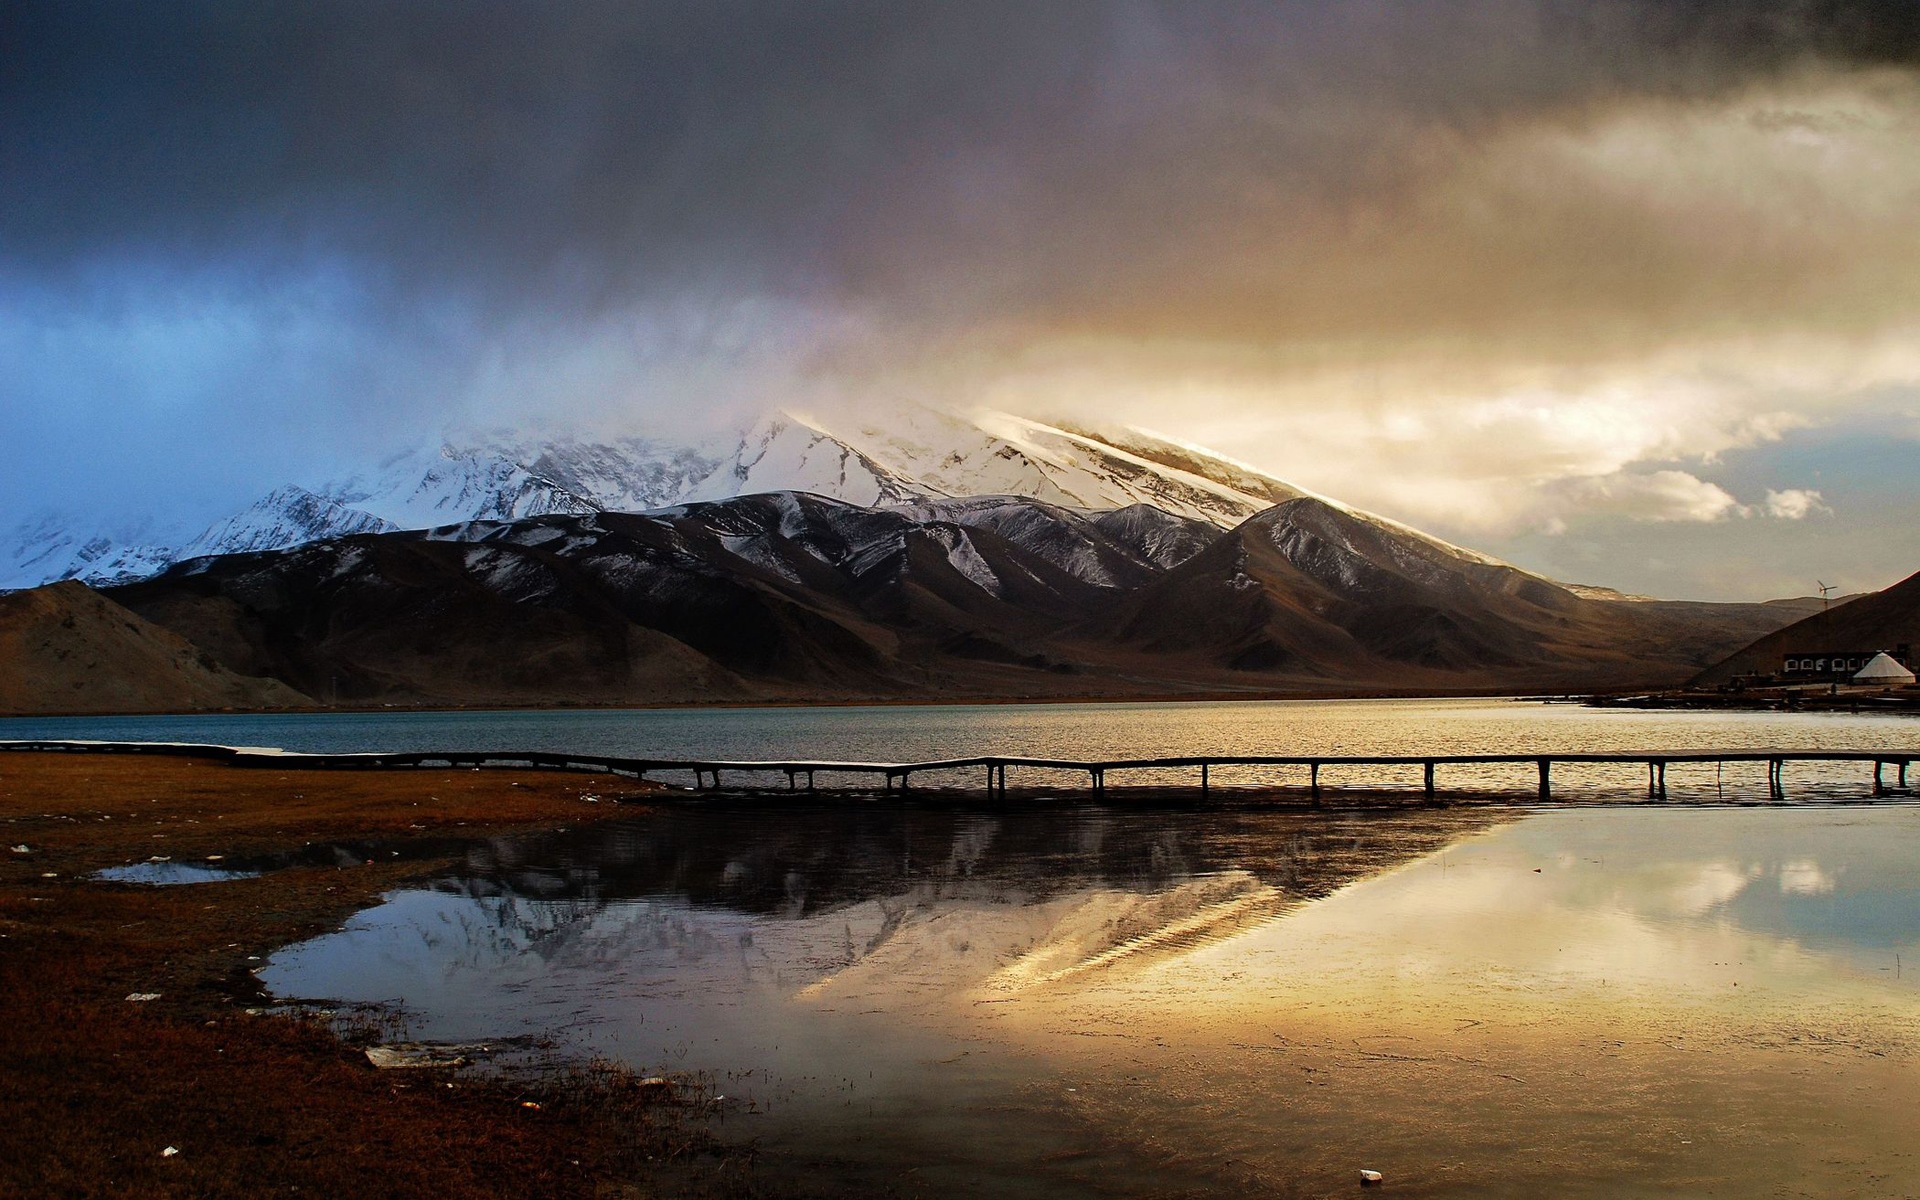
(1826, 589)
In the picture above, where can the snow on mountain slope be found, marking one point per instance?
(290, 516)
(919, 452)
(624, 474)
(1217, 469)
(914, 453)
(425, 487)
(786, 453)
(1087, 546)
(905, 458)
(54, 546)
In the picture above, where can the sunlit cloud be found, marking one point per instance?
(1498, 265)
(1571, 310)
(1795, 504)
(1655, 496)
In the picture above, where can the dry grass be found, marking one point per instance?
(95, 1087)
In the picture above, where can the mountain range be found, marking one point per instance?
(931, 556)
(915, 454)
(790, 595)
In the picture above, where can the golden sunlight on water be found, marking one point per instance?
(907, 733)
(1596, 1002)
(1599, 1002)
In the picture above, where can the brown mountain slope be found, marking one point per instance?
(1307, 590)
(795, 596)
(66, 648)
(1875, 621)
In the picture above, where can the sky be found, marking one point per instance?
(1624, 291)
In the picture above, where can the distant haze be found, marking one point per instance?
(1624, 291)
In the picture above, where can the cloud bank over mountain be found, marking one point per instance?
(1580, 278)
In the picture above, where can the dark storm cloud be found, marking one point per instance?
(1473, 257)
(591, 151)
(464, 143)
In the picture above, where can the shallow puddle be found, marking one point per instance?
(168, 874)
(1089, 1001)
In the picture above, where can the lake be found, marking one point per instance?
(1087, 1000)
(1078, 1000)
(926, 732)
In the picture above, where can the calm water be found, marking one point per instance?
(1094, 1001)
(165, 873)
(921, 733)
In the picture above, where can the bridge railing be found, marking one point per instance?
(804, 774)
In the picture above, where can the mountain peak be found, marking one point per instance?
(911, 455)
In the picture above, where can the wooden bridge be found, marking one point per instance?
(896, 778)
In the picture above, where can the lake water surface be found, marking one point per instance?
(1070, 999)
(1120, 1001)
(1090, 731)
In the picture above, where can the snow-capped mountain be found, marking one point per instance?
(629, 474)
(918, 452)
(424, 488)
(288, 516)
(910, 457)
(787, 594)
(53, 546)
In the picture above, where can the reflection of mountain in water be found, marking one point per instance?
(794, 861)
(926, 898)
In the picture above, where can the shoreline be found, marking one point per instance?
(1894, 702)
(1541, 696)
(255, 1099)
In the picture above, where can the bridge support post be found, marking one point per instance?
(1660, 779)
(1313, 780)
(1203, 777)
(791, 783)
(1879, 780)
(1099, 781)
(1776, 779)
(1903, 774)
(1429, 780)
(1546, 779)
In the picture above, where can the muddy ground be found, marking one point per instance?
(96, 1087)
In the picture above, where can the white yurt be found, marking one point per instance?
(1882, 669)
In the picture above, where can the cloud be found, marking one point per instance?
(1467, 262)
(1670, 495)
(1655, 496)
(1631, 285)
(933, 161)
(1794, 504)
